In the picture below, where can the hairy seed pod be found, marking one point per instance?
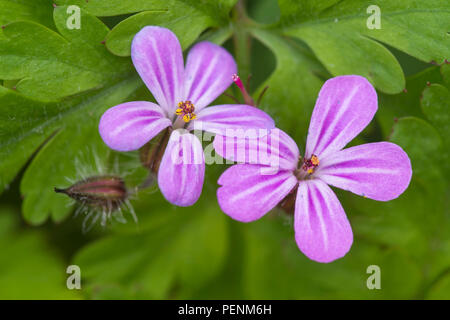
(106, 192)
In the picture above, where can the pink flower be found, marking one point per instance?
(182, 93)
(380, 171)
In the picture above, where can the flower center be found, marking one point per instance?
(306, 167)
(186, 110)
(309, 165)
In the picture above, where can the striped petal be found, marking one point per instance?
(130, 125)
(226, 119)
(345, 106)
(322, 230)
(209, 70)
(276, 149)
(246, 194)
(157, 57)
(380, 171)
(182, 169)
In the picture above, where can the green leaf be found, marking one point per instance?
(421, 142)
(39, 11)
(21, 131)
(51, 65)
(228, 284)
(337, 32)
(399, 223)
(264, 11)
(31, 269)
(392, 107)
(441, 289)
(436, 106)
(423, 145)
(276, 269)
(186, 18)
(178, 249)
(119, 39)
(105, 8)
(445, 70)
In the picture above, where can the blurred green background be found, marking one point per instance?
(48, 134)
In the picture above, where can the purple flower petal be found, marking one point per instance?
(130, 125)
(380, 171)
(276, 149)
(246, 194)
(322, 230)
(209, 70)
(345, 106)
(158, 59)
(182, 169)
(227, 118)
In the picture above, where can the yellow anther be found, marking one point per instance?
(186, 110)
(310, 165)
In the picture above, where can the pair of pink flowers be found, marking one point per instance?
(345, 106)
